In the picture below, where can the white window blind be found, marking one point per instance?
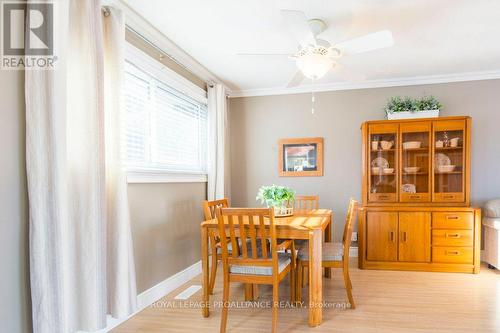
(165, 129)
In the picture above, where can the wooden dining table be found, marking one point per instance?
(314, 225)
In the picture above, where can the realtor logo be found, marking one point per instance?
(27, 35)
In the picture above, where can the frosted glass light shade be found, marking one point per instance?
(314, 65)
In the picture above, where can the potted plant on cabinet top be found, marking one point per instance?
(407, 108)
(279, 197)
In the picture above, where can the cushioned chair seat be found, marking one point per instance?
(491, 238)
(492, 208)
(492, 222)
(331, 252)
(283, 261)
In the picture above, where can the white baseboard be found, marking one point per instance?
(148, 297)
(165, 287)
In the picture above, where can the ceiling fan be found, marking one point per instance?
(315, 56)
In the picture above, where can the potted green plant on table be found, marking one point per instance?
(407, 108)
(279, 197)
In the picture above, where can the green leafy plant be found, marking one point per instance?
(428, 103)
(400, 104)
(408, 104)
(275, 196)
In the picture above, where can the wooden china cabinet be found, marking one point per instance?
(416, 185)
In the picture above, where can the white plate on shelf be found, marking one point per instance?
(409, 188)
(411, 169)
(380, 162)
(441, 159)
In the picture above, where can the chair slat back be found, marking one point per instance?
(244, 229)
(352, 214)
(306, 202)
(210, 206)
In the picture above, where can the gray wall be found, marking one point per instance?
(165, 229)
(15, 314)
(256, 124)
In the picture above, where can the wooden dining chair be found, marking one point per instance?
(334, 255)
(253, 264)
(306, 202)
(209, 211)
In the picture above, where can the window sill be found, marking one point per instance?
(145, 177)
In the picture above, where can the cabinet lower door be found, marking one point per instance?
(415, 236)
(382, 236)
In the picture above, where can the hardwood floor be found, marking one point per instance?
(387, 301)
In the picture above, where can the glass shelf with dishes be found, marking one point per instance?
(449, 164)
(415, 162)
(383, 165)
(424, 161)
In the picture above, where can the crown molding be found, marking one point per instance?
(150, 33)
(396, 82)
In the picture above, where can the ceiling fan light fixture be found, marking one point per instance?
(314, 65)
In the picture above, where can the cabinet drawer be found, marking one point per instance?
(382, 197)
(449, 197)
(452, 220)
(415, 197)
(455, 255)
(447, 237)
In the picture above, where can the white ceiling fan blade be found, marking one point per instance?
(296, 80)
(298, 26)
(347, 74)
(373, 41)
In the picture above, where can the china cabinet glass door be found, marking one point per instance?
(383, 162)
(449, 161)
(415, 183)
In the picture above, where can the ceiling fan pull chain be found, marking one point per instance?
(313, 98)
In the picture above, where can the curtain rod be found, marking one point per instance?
(105, 10)
(162, 53)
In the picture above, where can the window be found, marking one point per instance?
(165, 121)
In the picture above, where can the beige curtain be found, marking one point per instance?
(218, 152)
(121, 282)
(81, 262)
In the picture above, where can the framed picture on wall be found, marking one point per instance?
(300, 157)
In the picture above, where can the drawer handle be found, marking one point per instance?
(415, 197)
(448, 196)
(451, 217)
(452, 235)
(383, 196)
(453, 253)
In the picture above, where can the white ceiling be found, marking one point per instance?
(441, 38)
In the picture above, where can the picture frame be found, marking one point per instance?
(300, 157)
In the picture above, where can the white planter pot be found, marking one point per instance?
(283, 211)
(412, 115)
